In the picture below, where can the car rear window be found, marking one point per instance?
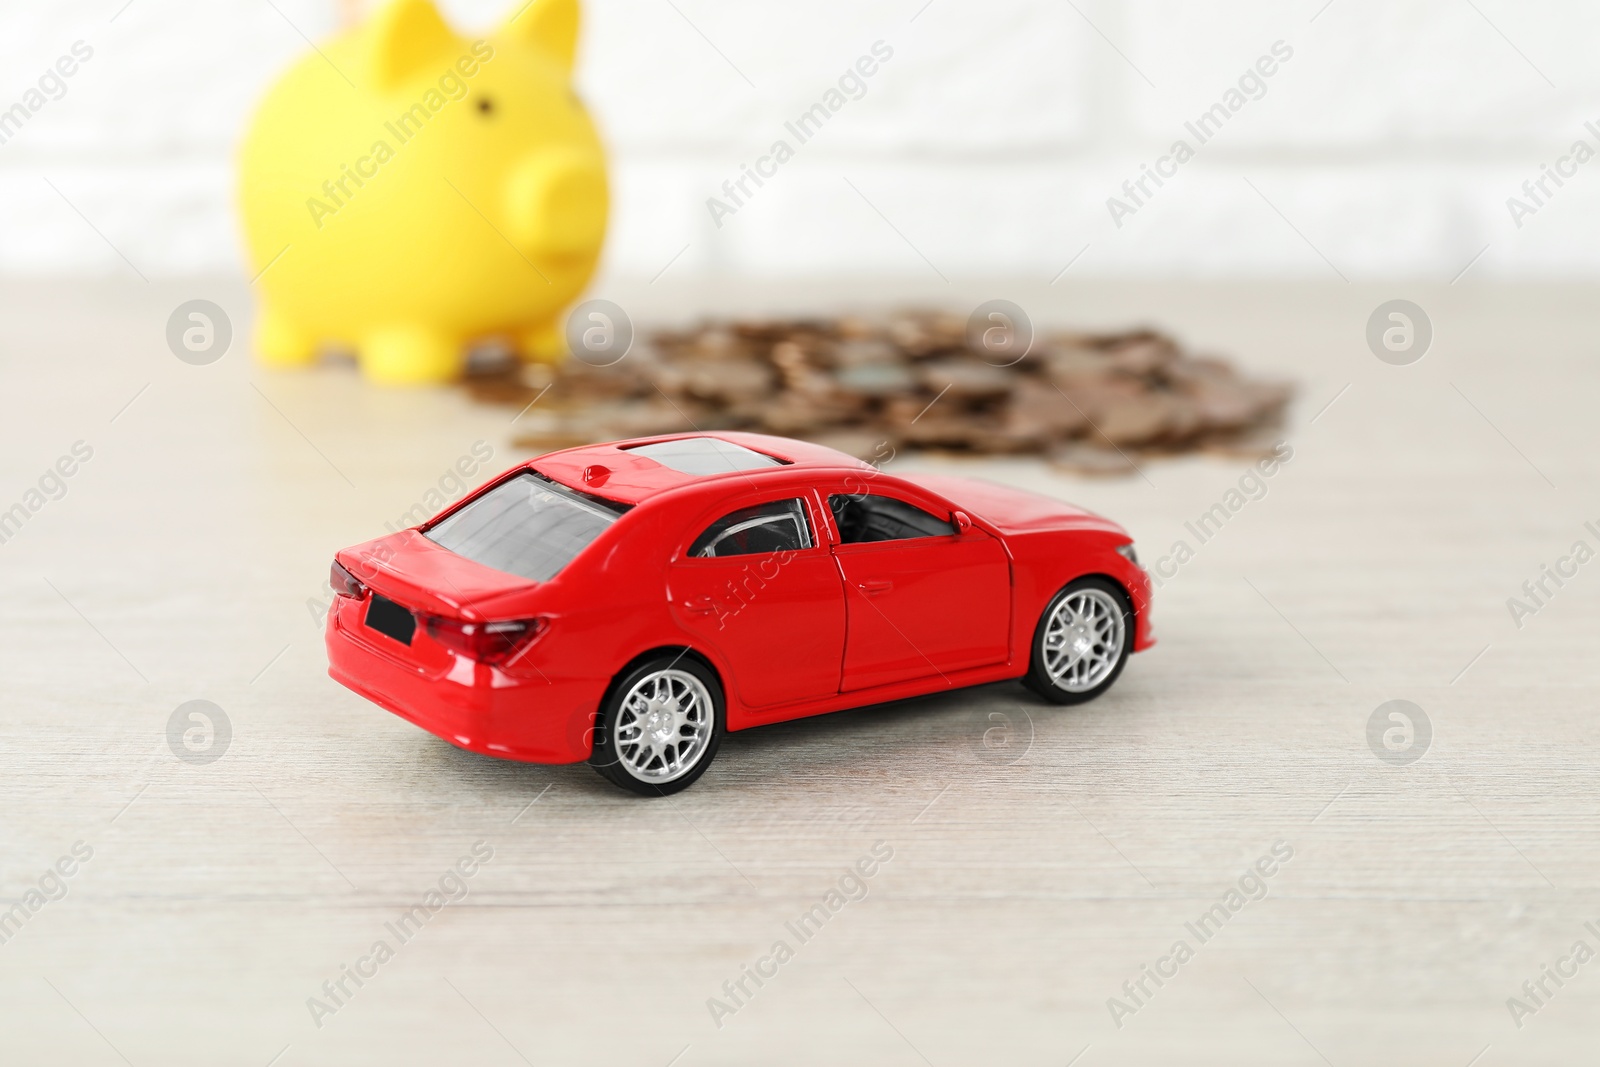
(529, 526)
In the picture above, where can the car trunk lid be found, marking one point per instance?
(415, 572)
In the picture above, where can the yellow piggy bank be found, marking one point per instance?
(407, 191)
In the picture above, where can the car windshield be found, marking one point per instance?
(529, 526)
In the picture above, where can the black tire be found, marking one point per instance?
(629, 763)
(1110, 595)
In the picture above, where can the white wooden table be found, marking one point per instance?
(1026, 886)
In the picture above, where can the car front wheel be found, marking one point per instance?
(1082, 641)
(659, 727)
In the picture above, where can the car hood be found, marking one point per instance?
(1012, 511)
(417, 572)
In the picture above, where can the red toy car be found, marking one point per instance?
(627, 603)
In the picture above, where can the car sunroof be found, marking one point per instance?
(705, 455)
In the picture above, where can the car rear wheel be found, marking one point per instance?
(659, 727)
(1082, 641)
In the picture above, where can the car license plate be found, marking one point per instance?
(390, 619)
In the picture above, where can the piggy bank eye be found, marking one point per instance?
(485, 105)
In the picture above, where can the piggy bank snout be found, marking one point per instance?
(557, 204)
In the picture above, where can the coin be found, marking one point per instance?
(870, 385)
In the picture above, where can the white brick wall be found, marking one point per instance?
(990, 141)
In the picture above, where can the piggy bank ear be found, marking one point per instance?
(403, 37)
(551, 25)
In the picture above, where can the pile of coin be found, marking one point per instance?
(1093, 403)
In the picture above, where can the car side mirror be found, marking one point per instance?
(962, 520)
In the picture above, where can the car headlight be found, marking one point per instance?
(1126, 552)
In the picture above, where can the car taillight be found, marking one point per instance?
(344, 583)
(486, 642)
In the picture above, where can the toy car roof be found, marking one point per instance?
(629, 471)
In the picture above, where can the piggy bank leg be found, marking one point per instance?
(544, 343)
(279, 343)
(410, 355)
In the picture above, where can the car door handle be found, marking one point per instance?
(875, 587)
(700, 605)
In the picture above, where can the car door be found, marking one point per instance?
(922, 599)
(758, 584)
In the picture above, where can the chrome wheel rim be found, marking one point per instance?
(1083, 640)
(663, 726)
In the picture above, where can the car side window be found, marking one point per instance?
(864, 518)
(770, 527)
